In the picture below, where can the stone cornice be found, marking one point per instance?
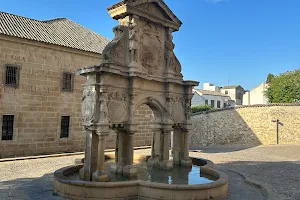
(115, 70)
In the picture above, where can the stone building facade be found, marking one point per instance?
(40, 96)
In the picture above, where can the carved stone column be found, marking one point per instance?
(129, 170)
(166, 163)
(178, 146)
(156, 154)
(86, 171)
(119, 154)
(100, 175)
(186, 161)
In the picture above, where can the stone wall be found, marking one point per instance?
(144, 117)
(247, 125)
(38, 102)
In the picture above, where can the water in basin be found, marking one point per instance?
(178, 175)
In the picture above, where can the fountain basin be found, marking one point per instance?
(139, 189)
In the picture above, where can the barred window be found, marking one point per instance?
(67, 82)
(65, 126)
(212, 103)
(7, 127)
(11, 75)
(218, 104)
(206, 102)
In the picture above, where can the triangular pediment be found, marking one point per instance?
(155, 10)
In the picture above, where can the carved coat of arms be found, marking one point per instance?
(151, 50)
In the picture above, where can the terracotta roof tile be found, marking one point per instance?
(208, 92)
(59, 31)
(230, 87)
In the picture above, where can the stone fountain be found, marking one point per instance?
(138, 67)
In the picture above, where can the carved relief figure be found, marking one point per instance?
(188, 109)
(133, 41)
(103, 108)
(88, 105)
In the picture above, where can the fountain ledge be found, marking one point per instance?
(138, 189)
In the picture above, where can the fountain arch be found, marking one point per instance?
(138, 67)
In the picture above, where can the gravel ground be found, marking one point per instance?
(275, 168)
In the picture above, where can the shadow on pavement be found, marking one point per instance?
(220, 149)
(279, 179)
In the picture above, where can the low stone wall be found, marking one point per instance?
(247, 125)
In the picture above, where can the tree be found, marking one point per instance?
(270, 78)
(284, 88)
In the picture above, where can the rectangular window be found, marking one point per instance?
(65, 126)
(11, 75)
(7, 127)
(206, 102)
(67, 82)
(212, 103)
(218, 104)
(224, 105)
(226, 92)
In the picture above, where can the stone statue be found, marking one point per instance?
(133, 41)
(169, 47)
(113, 51)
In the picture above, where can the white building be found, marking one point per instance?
(256, 95)
(212, 98)
(235, 92)
(211, 87)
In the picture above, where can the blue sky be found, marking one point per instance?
(221, 41)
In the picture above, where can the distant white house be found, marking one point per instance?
(212, 98)
(256, 95)
(235, 92)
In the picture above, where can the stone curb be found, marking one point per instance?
(252, 183)
(59, 155)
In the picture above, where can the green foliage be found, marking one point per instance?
(284, 88)
(200, 108)
(270, 78)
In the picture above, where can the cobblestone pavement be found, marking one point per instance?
(275, 168)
